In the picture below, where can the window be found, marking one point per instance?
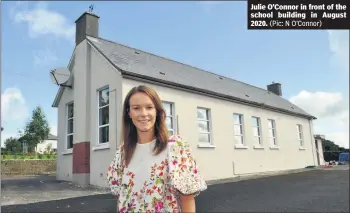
(300, 135)
(70, 119)
(238, 128)
(256, 130)
(204, 128)
(169, 109)
(103, 116)
(272, 132)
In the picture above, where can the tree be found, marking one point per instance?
(36, 130)
(13, 145)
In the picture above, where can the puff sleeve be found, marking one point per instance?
(183, 170)
(115, 172)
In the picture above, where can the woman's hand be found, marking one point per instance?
(188, 203)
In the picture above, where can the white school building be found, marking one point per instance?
(233, 128)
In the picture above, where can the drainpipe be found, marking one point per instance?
(312, 140)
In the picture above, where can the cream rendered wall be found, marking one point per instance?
(103, 74)
(64, 157)
(320, 151)
(223, 159)
(76, 95)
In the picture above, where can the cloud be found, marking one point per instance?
(14, 112)
(13, 106)
(332, 112)
(44, 57)
(42, 21)
(339, 46)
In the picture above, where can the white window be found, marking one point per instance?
(70, 122)
(203, 124)
(272, 132)
(169, 110)
(103, 115)
(238, 128)
(256, 130)
(300, 135)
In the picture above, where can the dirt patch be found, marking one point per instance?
(25, 167)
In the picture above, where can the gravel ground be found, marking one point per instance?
(321, 190)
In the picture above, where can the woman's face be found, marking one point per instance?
(142, 112)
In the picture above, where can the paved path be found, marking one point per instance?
(312, 191)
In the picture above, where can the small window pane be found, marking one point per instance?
(202, 114)
(271, 124)
(204, 138)
(272, 141)
(168, 109)
(256, 131)
(239, 139)
(69, 141)
(256, 139)
(271, 133)
(171, 132)
(70, 111)
(169, 122)
(104, 134)
(104, 97)
(237, 130)
(70, 126)
(104, 115)
(203, 126)
(255, 121)
(237, 119)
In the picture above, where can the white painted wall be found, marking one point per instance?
(103, 74)
(217, 163)
(64, 157)
(320, 151)
(76, 95)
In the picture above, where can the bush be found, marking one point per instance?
(40, 156)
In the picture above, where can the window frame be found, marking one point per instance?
(99, 91)
(260, 139)
(67, 119)
(273, 128)
(241, 126)
(172, 116)
(209, 133)
(300, 135)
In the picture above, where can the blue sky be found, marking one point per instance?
(312, 66)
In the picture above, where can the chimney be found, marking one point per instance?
(86, 24)
(275, 88)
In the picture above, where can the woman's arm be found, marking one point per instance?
(188, 203)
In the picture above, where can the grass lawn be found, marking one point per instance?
(32, 156)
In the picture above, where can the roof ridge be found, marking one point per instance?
(172, 60)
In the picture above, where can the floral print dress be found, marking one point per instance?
(153, 183)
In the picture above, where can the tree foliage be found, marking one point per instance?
(13, 145)
(36, 130)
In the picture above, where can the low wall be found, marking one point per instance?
(24, 167)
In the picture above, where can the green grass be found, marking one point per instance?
(21, 156)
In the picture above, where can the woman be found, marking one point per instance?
(151, 171)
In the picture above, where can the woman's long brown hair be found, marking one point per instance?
(129, 131)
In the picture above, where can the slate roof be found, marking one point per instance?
(131, 61)
(52, 137)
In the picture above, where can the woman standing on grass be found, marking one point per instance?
(152, 171)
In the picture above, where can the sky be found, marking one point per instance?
(311, 65)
